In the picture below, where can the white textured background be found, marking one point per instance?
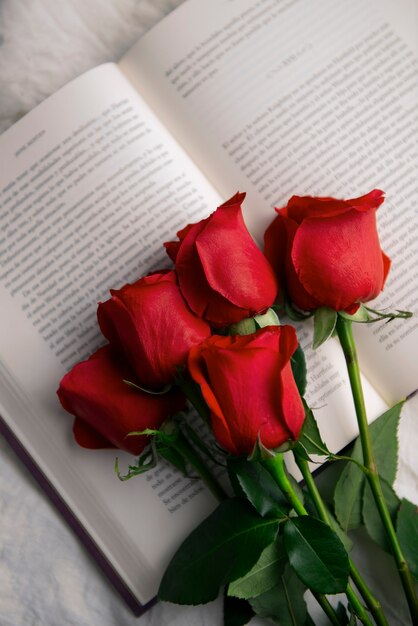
(46, 578)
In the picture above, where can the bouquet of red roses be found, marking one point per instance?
(208, 333)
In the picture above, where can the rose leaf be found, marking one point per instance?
(213, 555)
(237, 612)
(407, 531)
(259, 487)
(371, 517)
(348, 494)
(264, 575)
(350, 485)
(298, 363)
(384, 436)
(284, 603)
(316, 554)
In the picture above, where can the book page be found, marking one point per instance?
(90, 187)
(277, 98)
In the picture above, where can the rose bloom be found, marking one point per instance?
(222, 273)
(106, 409)
(327, 251)
(151, 325)
(248, 385)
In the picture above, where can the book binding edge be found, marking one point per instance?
(73, 522)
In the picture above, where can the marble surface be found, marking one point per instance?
(46, 577)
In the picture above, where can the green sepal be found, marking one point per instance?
(285, 447)
(294, 314)
(285, 603)
(407, 532)
(237, 612)
(260, 452)
(154, 432)
(311, 509)
(361, 315)
(298, 363)
(269, 318)
(310, 438)
(316, 554)
(264, 575)
(148, 460)
(259, 487)
(162, 442)
(172, 456)
(325, 320)
(246, 326)
(152, 392)
(300, 451)
(377, 316)
(366, 315)
(213, 554)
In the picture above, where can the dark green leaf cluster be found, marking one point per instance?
(353, 500)
(255, 546)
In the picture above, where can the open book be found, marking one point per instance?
(272, 97)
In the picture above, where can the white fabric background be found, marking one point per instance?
(46, 577)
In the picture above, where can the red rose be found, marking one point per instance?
(328, 251)
(107, 409)
(222, 273)
(150, 323)
(248, 384)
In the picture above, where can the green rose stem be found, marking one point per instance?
(182, 445)
(275, 465)
(345, 335)
(185, 448)
(371, 601)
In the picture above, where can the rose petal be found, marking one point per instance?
(94, 392)
(151, 324)
(244, 380)
(222, 273)
(338, 260)
(275, 245)
(298, 294)
(88, 437)
(304, 207)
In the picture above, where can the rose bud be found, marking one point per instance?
(106, 409)
(327, 251)
(248, 385)
(150, 323)
(222, 273)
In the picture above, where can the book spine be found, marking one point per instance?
(73, 522)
